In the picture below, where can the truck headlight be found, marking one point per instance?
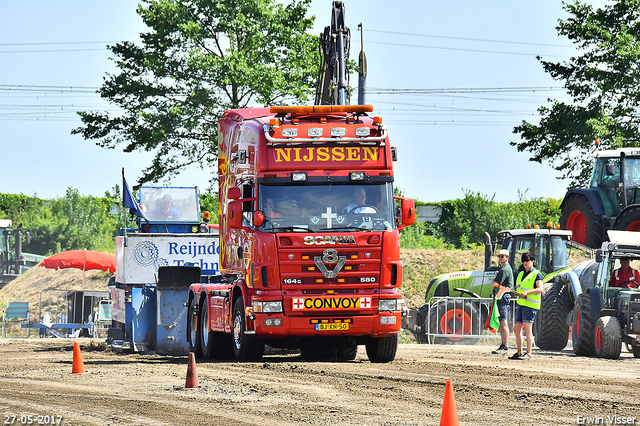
(390, 304)
(267, 306)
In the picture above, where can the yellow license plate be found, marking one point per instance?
(332, 326)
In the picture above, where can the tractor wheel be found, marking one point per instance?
(192, 330)
(636, 351)
(245, 348)
(577, 216)
(608, 338)
(552, 329)
(582, 327)
(455, 317)
(382, 349)
(629, 220)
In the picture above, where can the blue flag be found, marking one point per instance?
(129, 202)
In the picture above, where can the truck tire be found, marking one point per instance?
(382, 349)
(552, 331)
(608, 338)
(245, 348)
(629, 220)
(582, 327)
(192, 330)
(578, 216)
(454, 316)
(347, 352)
(213, 344)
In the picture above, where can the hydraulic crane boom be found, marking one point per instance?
(333, 79)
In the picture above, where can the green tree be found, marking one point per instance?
(603, 82)
(200, 58)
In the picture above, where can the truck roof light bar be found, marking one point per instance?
(358, 109)
(383, 134)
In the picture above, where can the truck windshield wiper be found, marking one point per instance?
(355, 228)
(293, 228)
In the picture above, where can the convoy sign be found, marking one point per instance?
(330, 303)
(139, 260)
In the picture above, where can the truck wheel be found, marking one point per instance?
(192, 330)
(608, 338)
(629, 220)
(582, 327)
(214, 345)
(577, 216)
(245, 348)
(455, 317)
(382, 349)
(347, 352)
(552, 331)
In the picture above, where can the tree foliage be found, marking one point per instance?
(465, 220)
(200, 58)
(603, 83)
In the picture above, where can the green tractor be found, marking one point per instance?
(605, 317)
(448, 310)
(13, 261)
(612, 200)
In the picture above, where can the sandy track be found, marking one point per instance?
(131, 389)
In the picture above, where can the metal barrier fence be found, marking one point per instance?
(462, 320)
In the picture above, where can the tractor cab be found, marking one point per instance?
(616, 172)
(547, 245)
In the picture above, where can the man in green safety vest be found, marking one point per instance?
(529, 287)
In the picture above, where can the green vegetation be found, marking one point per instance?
(603, 84)
(464, 221)
(85, 222)
(198, 59)
(75, 222)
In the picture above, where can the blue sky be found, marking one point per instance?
(443, 76)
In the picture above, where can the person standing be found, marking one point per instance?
(529, 287)
(504, 277)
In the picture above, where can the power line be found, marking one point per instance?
(468, 39)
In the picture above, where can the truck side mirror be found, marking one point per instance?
(233, 193)
(258, 218)
(234, 214)
(408, 208)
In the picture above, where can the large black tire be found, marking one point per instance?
(582, 327)
(192, 330)
(347, 352)
(636, 351)
(629, 220)
(552, 330)
(382, 349)
(607, 338)
(245, 348)
(214, 345)
(578, 216)
(454, 316)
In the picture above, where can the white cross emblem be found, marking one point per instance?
(298, 303)
(329, 215)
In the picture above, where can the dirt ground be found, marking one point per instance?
(554, 388)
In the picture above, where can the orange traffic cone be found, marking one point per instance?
(78, 365)
(192, 374)
(449, 415)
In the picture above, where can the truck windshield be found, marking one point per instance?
(323, 208)
(162, 204)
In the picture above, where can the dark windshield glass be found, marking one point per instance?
(322, 208)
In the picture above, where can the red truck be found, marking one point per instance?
(309, 237)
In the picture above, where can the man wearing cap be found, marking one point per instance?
(504, 277)
(625, 275)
